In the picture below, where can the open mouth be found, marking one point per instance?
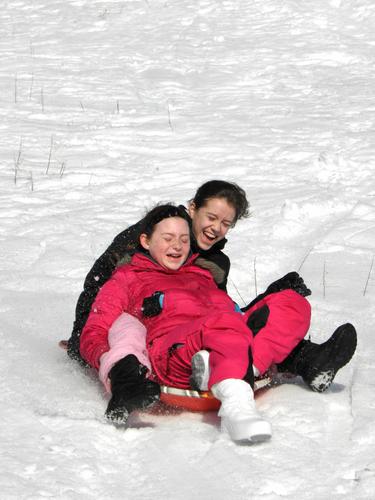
(209, 236)
(174, 256)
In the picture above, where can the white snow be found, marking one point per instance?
(109, 106)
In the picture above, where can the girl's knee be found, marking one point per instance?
(290, 300)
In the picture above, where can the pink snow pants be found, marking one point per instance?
(287, 324)
(228, 338)
(226, 335)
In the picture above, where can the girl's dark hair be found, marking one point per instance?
(231, 192)
(159, 213)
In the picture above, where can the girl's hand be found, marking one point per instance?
(292, 281)
(153, 305)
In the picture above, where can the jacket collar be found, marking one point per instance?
(143, 260)
(215, 248)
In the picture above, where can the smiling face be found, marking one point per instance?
(169, 243)
(212, 221)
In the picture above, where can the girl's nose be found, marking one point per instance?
(216, 225)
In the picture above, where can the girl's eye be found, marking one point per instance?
(185, 241)
(166, 238)
(227, 225)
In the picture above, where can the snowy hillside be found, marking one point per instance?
(108, 106)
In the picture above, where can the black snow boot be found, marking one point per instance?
(318, 364)
(131, 390)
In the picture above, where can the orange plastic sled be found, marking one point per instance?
(191, 400)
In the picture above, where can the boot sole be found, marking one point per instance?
(253, 431)
(200, 371)
(339, 351)
(117, 417)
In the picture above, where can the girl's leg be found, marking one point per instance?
(123, 369)
(286, 320)
(225, 335)
(126, 336)
(228, 341)
(280, 322)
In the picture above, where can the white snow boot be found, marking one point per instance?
(239, 416)
(200, 371)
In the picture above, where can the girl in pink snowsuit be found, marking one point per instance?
(194, 315)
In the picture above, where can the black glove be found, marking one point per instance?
(291, 281)
(153, 305)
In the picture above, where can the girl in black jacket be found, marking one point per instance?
(215, 208)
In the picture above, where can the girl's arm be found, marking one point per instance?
(123, 246)
(111, 301)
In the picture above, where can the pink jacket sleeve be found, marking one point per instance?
(111, 301)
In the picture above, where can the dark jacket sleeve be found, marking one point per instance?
(118, 253)
(223, 262)
(218, 264)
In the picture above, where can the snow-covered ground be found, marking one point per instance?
(110, 106)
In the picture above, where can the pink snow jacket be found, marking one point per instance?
(190, 293)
